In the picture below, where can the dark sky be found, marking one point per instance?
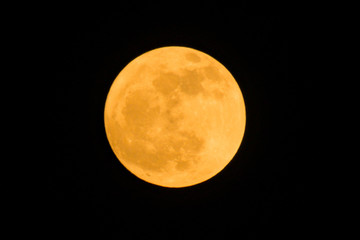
(259, 195)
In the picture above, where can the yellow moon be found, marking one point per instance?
(174, 117)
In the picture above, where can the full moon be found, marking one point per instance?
(174, 117)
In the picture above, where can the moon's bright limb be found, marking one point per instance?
(175, 116)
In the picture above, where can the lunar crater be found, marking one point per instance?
(192, 57)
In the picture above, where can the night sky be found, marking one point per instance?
(259, 195)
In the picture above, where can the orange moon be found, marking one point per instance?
(174, 117)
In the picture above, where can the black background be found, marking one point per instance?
(258, 195)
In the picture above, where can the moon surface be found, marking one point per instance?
(175, 117)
